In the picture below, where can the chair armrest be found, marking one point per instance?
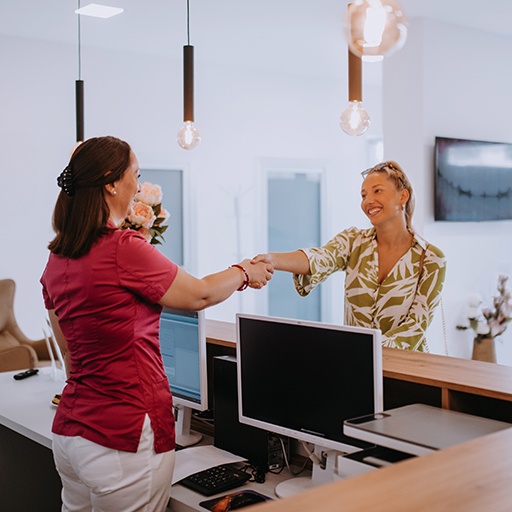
(40, 348)
(18, 358)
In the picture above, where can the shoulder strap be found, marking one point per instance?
(422, 260)
(420, 270)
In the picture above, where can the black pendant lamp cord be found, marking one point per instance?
(79, 90)
(188, 76)
(188, 23)
(79, 47)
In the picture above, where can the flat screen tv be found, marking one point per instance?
(473, 180)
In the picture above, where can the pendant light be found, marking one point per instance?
(355, 120)
(188, 135)
(375, 28)
(79, 90)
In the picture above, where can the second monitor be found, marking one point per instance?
(303, 379)
(183, 347)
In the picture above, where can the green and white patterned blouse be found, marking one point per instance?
(402, 306)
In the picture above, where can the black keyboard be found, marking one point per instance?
(215, 480)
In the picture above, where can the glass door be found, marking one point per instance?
(294, 222)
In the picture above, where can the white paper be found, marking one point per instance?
(198, 458)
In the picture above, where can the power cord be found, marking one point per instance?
(287, 463)
(257, 475)
(314, 458)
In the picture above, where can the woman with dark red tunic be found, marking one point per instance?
(113, 433)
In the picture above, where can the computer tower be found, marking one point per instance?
(231, 435)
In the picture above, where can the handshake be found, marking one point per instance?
(258, 270)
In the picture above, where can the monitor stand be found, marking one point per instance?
(323, 473)
(183, 418)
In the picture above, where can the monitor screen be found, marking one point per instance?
(183, 347)
(303, 379)
(473, 180)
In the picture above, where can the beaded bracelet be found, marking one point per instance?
(246, 282)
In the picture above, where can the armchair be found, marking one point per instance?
(17, 352)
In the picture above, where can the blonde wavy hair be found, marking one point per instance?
(396, 174)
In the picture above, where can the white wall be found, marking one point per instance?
(454, 82)
(446, 81)
(247, 116)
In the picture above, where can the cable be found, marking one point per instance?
(314, 458)
(207, 421)
(287, 463)
(257, 475)
(444, 327)
(79, 46)
(188, 23)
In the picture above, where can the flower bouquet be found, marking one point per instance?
(147, 215)
(487, 323)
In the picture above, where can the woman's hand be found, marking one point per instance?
(295, 262)
(265, 258)
(260, 273)
(190, 293)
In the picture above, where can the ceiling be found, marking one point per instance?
(266, 33)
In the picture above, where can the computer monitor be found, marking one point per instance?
(303, 379)
(183, 347)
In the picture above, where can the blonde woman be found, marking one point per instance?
(393, 277)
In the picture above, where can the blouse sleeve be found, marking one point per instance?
(325, 260)
(143, 269)
(410, 334)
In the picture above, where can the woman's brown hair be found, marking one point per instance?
(399, 178)
(81, 213)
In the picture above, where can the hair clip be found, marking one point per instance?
(65, 181)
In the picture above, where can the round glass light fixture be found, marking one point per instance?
(354, 120)
(375, 27)
(188, 136)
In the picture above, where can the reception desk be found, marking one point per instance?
(473, 387)
(474, 476)
(471, 477)
(29, 481)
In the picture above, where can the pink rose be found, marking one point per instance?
(141, 215)
(146, 233)
(149, 194)
(164, 215)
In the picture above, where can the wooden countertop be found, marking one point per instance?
(221, 333)
(485, 379)
(480, 378)
(471, 477)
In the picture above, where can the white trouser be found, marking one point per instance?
(99, 479)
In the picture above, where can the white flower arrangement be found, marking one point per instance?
(147, 215)
(489, 322)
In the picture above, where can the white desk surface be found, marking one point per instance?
(26, 408)
(26, 405)
(185, 500)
